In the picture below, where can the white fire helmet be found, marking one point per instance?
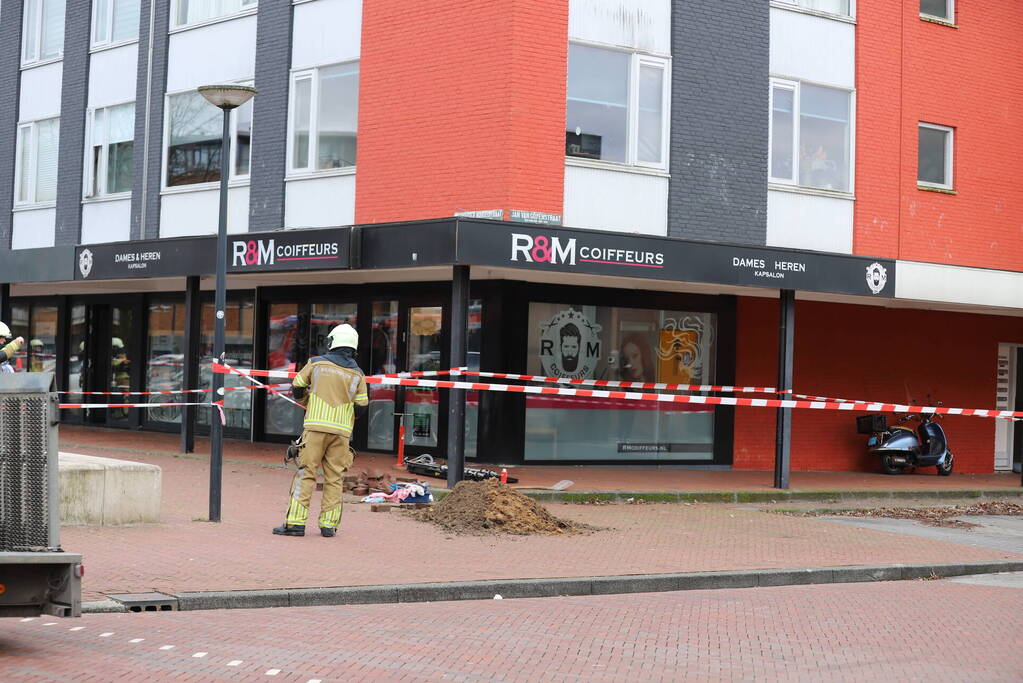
(343, 335)
(4, 330)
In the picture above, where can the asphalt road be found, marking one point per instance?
(962, 630)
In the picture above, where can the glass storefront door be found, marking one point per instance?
(423, 352)
(383, 358)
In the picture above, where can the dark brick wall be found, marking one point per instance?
(270, 116)
(719, 120)
(74, 98)
(145, 191)
(10, 80)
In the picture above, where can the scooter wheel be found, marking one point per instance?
(889, 466)
(945, 469)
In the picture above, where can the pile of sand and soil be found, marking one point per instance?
(943, 516)
(481, 507)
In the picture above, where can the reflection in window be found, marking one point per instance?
(238, 353)
(42, 339)
(165, 358)
(194, 11)
(939, 9)
(325, 117)
(285, 346)
(195, 129)
(934, 165)
(782, 132)
(113, 139)
(810, 135)
(383, 358)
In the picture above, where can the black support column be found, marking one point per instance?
(783, 433)
(190, 376)
(456, 398)
(5, 302)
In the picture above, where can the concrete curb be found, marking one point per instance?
(752, 496)
(585, 585)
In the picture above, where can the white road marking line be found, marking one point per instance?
(166, 647)
(136, 640)
(50, 623)
(106, 635)
(200, 654)
(76, 628)
(28, 619)
(314, 680)
(272, 672)
(234, 662)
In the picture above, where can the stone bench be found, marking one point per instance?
(108, 492)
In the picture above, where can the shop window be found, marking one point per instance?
(810, 135)
(114, 21)
(122, 359)
(36, 172)
(831, 6)
(616, 106)
(934, 156)
(286, 343)
(196, 11)
(238, 353)
(631, 344)
(78, 359)
(42, 339)
(42, 37)
(383, 358)
(194, 131)
(473, 346)
(324, 118)
(938, 9)
(109, 165)
(165, 358)
(20, 314)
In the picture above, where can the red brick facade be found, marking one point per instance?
(970, 78)
(453, 91)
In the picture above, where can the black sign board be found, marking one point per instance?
(604, 253)
(44, 264)
(326, 249)
(150, 258)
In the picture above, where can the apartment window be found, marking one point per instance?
(324, 117)
(833, 6)
(194, 135)
(938, 9)
(36, 164)
(114, 21)
(194, 11)
(109, 162)
(616, 106)
(810, 135)
(934, 156)
(42, 36)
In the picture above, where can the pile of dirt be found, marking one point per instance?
(481, 507)
(932, 516)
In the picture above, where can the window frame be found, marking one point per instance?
(949, 157)
(37, 59)
(89, 175)
(233, 179)
(312, 74)
(950, 6)
(637, 59)
(796, 86)
(109, 41)
(247, 7)
(795, 4)
(33, 165)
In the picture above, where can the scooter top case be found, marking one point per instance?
(898, 439)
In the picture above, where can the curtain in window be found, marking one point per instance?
(52, 29)
(47, 136)
(126, 20)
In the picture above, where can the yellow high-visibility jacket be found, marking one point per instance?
(333, 393)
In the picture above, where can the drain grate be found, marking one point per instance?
(146, 602)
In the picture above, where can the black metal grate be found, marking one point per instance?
(24, 486)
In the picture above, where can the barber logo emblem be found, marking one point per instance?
(877, 277)
(569, 345)
(85, 262)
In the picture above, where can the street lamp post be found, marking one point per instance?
(226, 97)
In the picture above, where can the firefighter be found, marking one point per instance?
(120, 373)
(8, 350)
(35, 363)
(330, 386)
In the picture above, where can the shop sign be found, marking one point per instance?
(151, 258)
(569, 345)
(289, 250)
(666, 259)
(491, 214)
(517, 216)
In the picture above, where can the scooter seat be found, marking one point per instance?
(907, 429)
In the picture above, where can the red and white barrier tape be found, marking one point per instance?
(660, 386)
(164, 393)
(288, 374)
(127, 405)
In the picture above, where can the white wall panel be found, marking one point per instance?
(325, 32)
(40, 92)
(802, 221)
(320, 202)
(612, 200)
(196, 213)
(106, 221)
(956, 284)
(34, 228)
(641, 24)
(113, 75)
(812, 48)
(224, 52)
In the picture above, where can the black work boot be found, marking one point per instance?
(327, 533)
(290, 530)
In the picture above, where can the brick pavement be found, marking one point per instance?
(183, 554)
(862, 632)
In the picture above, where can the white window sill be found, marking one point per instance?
(845, 18)
(615, 166)
(205, 187)
(300, 2)
(215, 20)
(25, 66)
(938, 20)
(103, 199)
(34, 207)
(327, 173)
(815, 191)
(941, 189)
(112, 46)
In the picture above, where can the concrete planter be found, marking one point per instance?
(108, 492)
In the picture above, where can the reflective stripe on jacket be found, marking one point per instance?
(334, 391)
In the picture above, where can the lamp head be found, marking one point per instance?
(227, 96)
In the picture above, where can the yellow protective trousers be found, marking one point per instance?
(331, 452)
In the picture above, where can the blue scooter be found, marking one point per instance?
(900, 448)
